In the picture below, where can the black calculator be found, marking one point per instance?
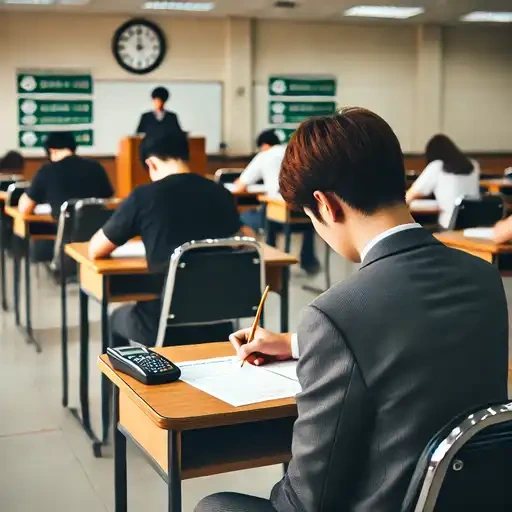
(143, 364)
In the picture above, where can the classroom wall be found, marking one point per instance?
(420, 79)
(375, 66)
(196, 53)
(477, 103)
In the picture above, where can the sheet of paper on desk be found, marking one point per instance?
(225, 379)
(42, 209)
(479, 233)
(130, 250)
(424, 204)
(253, 189)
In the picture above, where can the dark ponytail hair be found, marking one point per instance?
(441, 147)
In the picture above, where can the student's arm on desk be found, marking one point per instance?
(425, 183)
(120, 228)
(100, 246)
(36, 193)
(266, 347)
(251, 174)
(26, 205)
(502, 231)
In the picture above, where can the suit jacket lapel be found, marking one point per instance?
(399, 242)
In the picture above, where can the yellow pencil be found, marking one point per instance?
(257, 318)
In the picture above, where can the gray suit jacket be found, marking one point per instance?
(418, 336)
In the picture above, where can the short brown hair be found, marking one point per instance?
(354, 154)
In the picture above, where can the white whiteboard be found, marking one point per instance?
(118, 106)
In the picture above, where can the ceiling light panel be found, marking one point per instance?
(384, 11)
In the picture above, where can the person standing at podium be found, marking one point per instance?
(159, 122)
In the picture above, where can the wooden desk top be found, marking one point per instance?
(457, 239)
(179, 406)
(80, 253)
(279, 201)
(12, 211)
(263, 198)
(498, 182)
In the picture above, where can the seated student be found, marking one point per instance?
(12, 162)
(448, 175)
(266, 166)
(66, 176)
(177, 207)
(159, 121)
(387, 357)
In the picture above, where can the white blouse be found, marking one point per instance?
(447, 187)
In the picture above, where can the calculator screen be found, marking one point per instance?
(133, 351)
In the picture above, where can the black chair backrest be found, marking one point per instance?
(466, 466)
(79, 219)
(224, 176)
(9, 179)
(15, 191)
(211, 281)
(474, 212)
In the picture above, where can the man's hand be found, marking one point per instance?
(266, 347)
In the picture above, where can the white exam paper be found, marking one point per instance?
(479, 232)
(42, 209)
(130, 250)
(253, 189)
(225, 379)
(424, 204)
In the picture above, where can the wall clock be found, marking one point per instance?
(139, 46)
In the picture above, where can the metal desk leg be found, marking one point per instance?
(121, 488)
(64, 331)
(287, 228)
(106, 388)
(28, 298)
(85, 419)
(285, 292)
(16, 285)
(173, 473)
(5, 307)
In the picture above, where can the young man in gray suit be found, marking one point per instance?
(387, 357)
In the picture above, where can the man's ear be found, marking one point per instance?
(151, 164)
(329, 206)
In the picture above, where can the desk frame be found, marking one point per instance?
(163, 439)
(99, 287)
(23, 231)
(276, 210)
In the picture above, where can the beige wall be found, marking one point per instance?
(468, 94)
(375, 66)
(477, 103)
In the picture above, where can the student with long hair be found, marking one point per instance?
(449, 174)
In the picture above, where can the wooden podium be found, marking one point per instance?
(130, 172)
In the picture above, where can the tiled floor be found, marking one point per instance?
(46, 462)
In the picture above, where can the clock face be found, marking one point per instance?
(139, 46)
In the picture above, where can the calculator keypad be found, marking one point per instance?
(152, 364)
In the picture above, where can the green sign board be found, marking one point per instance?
(43, 112)
(35, 139)
(281, 112)
(37, 83)
(284, 134)
(304, 86)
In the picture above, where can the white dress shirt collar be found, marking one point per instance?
(381, 236)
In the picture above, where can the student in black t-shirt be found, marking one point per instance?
(177, 207)
(67, 176)
(159, 121)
